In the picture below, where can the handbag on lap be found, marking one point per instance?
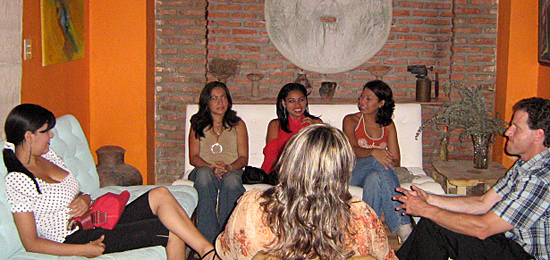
(104, 212)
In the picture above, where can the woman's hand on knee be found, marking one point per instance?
(384, 157)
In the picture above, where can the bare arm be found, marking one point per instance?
(383, 156)
(242, 146)
(26, 226)
(465, 215)
(80, 204)
(393, 145)
(349, 130)
(272, 130)
(476, 205)
(194, 151)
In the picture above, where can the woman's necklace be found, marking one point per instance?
(367, 133)
(217, 148)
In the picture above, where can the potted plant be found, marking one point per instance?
(470, 113)
(223, 68)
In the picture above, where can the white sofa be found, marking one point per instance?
(407, 118)
(71, 145)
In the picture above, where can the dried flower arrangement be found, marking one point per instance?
(223, 68)
(470, 114)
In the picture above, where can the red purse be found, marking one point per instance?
(104, 212)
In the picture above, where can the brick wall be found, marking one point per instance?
(456, 37)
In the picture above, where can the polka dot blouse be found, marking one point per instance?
(49, 208)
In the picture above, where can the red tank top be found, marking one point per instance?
(365, 141)
(273, 148)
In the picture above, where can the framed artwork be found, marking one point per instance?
(544, 32)
(62, 31)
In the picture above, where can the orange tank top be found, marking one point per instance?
(365, 141)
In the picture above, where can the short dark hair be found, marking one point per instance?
(538, 110)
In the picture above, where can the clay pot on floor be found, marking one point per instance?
(112, 169)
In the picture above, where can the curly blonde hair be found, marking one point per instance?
(309, 210)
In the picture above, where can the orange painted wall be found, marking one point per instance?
(519, 75)
(544, 82)
(118, 78)
(107, 90)
(62, 88)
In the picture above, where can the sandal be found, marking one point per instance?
(216, 256)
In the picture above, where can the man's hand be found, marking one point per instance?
(415, 201)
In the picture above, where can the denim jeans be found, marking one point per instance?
(213, 192)
(379, 186)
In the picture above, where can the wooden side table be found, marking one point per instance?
(460, 176)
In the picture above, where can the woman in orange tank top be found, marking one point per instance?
(373, 136)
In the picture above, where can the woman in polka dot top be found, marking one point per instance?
(44, 195)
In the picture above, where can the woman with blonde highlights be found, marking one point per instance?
(310, 214)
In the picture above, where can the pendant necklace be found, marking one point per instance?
(216, 148)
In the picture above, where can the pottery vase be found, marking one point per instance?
(255, 79)
(327, 90)
(112, 169)
(302, 79)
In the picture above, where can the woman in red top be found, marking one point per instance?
(292, 115)
(373, 136)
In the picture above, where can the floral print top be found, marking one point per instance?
(246, 232)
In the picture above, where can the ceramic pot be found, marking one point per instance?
(327, 90)
(113, 171)
(255, 78)
(302, 79)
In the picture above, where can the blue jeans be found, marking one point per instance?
(228, 189)
(379, 186)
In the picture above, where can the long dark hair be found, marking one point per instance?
(383, 92)
(282, 113)
(23, 118)
(203, 118)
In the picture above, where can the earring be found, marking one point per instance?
(285, 112)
